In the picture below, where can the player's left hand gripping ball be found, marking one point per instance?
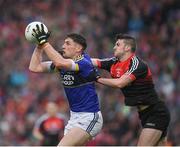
(36, 32)
(40, 34)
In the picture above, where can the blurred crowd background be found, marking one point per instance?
(23, 95)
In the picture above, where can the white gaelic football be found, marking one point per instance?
(29, 31)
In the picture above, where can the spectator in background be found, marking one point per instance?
(49, 127)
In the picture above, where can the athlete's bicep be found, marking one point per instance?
(105, 63)
(43, 67)
(95, 61)
(125, 80)
(70, 65)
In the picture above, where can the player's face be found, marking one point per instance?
(51, 108)
(69, 48)
(119, 48)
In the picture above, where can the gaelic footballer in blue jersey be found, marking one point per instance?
(79, 89)
(75, 68)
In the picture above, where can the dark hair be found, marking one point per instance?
(78, 39)
(129, 40)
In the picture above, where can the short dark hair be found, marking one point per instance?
(78, 39)
(129, 40)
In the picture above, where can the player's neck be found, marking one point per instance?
(126, 56)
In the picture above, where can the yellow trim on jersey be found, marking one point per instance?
(76, 67)
(78, 58)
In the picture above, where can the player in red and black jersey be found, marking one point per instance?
(133, 76)
(49, 127)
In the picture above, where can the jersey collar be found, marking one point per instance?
(133, 54)
(77, 58)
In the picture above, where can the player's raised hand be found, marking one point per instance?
(40, 34)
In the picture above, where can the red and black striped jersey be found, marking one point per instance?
(51, 127)
(141, 91)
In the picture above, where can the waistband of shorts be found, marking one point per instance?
(72, 112)
(145, 107)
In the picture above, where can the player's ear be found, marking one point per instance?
(128, 48)
(78, 47)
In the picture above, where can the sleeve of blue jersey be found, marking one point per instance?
(85, 67)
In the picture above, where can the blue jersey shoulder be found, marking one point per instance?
(85, 65)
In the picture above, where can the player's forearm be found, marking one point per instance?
(35, 59)
(109, 82)
(55, 57)
(119, 82)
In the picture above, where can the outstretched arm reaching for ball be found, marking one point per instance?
(36, 64)
(56, 58)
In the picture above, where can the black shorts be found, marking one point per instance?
(156, 116)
